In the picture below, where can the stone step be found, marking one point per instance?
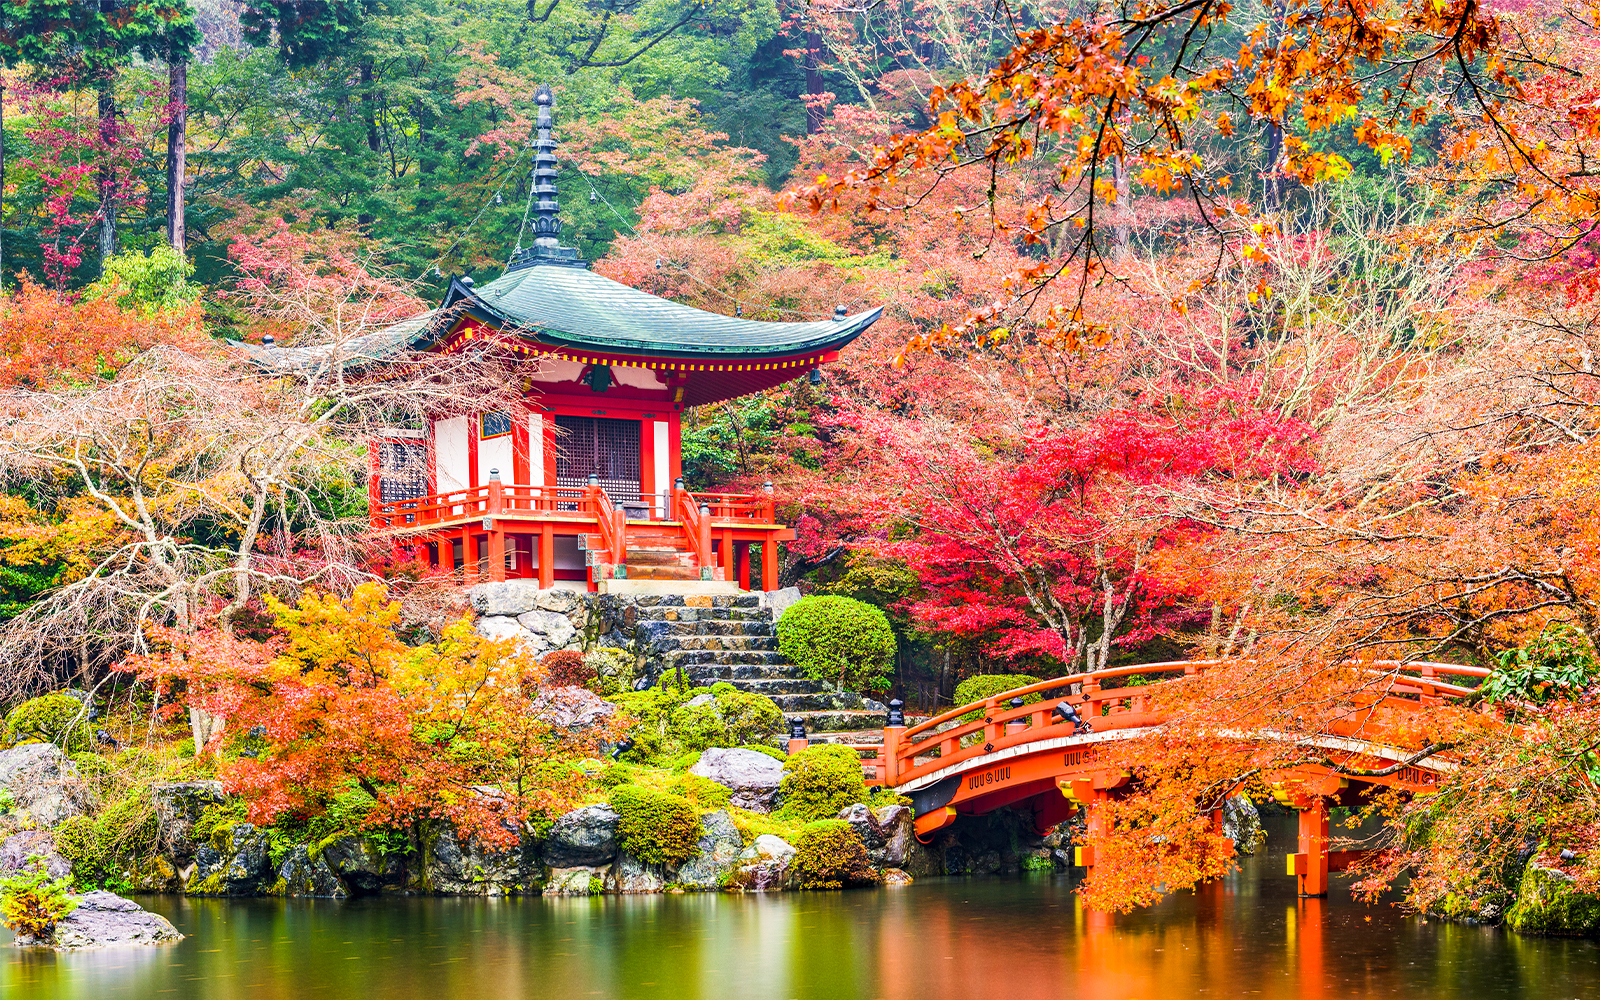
(658, 557)
(691, 658)
(771, 687)
(635, 571)
(836, 720)
(817, 702)
(713, 627)
(721, 642)
(738, 674)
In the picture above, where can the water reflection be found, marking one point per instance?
(1247, 936)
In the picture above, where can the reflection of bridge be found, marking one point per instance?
(1048, 756)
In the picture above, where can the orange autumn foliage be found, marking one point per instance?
(48, 338)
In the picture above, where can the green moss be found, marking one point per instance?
(772, 752)
(821, 780)
(667, 727)
(654, 826)
(1548, 904)
(983, 686)
(703, 792)
(838, 640)
(216, 823)
(78, 841)
(52, 718)
(829, 854)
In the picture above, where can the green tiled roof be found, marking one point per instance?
(575, 306)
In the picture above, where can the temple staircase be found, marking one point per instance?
(731, 638)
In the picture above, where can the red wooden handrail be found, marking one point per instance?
(902, 747)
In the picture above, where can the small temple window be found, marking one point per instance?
(402, 470)
(493, 425)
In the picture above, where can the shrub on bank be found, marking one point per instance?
(47, 719)
(840, 641)
(981, 686)
(614, 669)
(656, 827)
(669, 727)
(829, 854)
(821, 780)
(32, 903)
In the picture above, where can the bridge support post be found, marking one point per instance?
(1311, 863)
(892, 731)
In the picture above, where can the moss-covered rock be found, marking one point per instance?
(53, 718)
(1549, 903)
(830, 855)
(655, 827)
(819, 781)
(672, 723)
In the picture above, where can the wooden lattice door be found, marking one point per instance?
(604, 447)
(402, 470)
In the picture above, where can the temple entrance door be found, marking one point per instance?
(605, 447)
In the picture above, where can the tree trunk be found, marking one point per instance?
(2, 184)
(107, 175)
(370, 115)
(177, 145)
(1124, 218)
(813, 82)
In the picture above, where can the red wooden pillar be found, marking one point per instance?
(730, 568)
(469, 555)
(497, 553)
(1310, 864)
(744, 565)
(419, 552)
(547, 557)
(1093, 801)
(769, 564)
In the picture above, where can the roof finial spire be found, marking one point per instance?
(547, 248)
(547, 223)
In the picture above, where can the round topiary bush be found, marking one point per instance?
(821, 780)
(46, 719)
(656, 827)
(567, 668)
(830, 855)
(981, 686)
(838, 640)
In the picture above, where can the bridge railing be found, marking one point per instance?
(935, 744)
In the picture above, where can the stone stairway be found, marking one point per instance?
(731, 638)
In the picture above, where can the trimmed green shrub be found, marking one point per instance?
(821, 780)
(656, 827)
(46, 719)
(981, 686)
(770, 751)
(829, 854)
(32, 903)
(838, 640)
(669, 727)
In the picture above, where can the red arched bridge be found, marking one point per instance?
(1047, 755)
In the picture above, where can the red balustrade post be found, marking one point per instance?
(893, 731)
(547, 557)
(705, 537)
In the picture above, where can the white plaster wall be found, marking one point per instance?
(495, 453)
(663, 472)
(535, 449)
(450, 453)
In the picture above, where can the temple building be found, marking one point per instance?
(583, 481)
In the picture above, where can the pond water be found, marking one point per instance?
(1017, 938)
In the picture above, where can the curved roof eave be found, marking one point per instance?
(571, 307)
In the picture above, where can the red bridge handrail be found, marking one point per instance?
(1418, 678)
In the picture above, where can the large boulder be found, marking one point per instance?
(105, 920)
(44, 784)
(580, 880)
(363, 868)
(509, 598)
(301, 874)
(571, 708)
(1548, 903)
(18, 848)
(549, 627)
(240, 865)
(585, 837)
(716, 855)
(499, 627)
(463, 866)
(1241, 823)
(887, 831)
(178, 806)
(764, 865)
(752, 776)
(630, 875)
